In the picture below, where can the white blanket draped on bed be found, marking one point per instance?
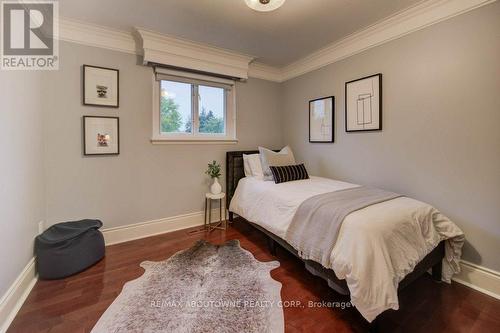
(377, 245)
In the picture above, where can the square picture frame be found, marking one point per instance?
(101, 86)
(363, 104)
(101, 135)
(322, 120)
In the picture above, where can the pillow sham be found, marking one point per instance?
(270, 158)
(288, 173)
(256, 166)
(252, 165)
(246, 165)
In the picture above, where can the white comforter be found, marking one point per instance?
(377, 246)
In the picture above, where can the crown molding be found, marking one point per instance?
(190, 54)
(98, 36)
(262, 71)
(412, 19)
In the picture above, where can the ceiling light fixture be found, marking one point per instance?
(264, 5)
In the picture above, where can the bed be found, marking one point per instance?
(365, 263)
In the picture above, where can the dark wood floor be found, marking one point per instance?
(75, 304)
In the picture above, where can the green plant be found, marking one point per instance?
(213, 170)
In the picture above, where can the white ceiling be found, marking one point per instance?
(276, 38)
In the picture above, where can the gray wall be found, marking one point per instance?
(441, 112)
(145, 181)
(22, 203)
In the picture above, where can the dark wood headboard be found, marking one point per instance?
(234, 171)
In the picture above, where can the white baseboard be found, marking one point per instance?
(479, 278)
(14, 298)
(156, 227)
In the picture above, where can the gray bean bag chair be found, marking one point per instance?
(67, 248)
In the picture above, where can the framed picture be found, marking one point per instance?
(101, 86)
(101, 135)
(363, 104)
(322, 119)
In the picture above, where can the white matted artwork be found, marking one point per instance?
(363, 104)
(321, 119)
(100, 86)
(101, 135)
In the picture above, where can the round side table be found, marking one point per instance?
(222, 223)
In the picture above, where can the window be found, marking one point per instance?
(211, 110)
(175, 107)
(192, 109)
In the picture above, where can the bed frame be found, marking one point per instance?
(234, 172)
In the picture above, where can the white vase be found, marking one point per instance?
(215, 188)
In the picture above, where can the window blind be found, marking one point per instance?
(192, 78)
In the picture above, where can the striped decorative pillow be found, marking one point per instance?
(288, 173)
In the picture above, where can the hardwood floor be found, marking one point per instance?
(75, 304)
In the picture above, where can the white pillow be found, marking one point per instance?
(256, 166)
(252, 165)
(246, 165)
(270, 158)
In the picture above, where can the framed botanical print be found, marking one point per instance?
(101, 135)
(322, 119)
(101, 86)
(363, 104)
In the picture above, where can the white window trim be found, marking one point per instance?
(195, 138)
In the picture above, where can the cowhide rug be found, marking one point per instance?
(206, 288)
